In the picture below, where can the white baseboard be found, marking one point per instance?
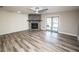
(68, 34)
(13, 32)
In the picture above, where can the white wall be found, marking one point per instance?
(67, 22)
(78, 26)
(43, 24)
(12, 22)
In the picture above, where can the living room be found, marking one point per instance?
(31, 28)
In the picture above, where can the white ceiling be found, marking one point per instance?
(51, 9)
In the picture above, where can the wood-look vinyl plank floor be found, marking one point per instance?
(38, 41)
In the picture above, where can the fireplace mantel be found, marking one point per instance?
(34, 20)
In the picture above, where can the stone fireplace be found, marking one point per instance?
(34, 21)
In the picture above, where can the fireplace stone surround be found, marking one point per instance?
(34, 21)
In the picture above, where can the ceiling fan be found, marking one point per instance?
(38, 10)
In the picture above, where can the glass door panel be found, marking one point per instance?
(55, 24)
(48, 24)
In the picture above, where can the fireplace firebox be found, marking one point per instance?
(34, 25)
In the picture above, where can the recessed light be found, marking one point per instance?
(18, 11)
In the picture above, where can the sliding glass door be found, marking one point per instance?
(52, 24)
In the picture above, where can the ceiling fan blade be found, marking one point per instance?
(43, 10)
(31, 9)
